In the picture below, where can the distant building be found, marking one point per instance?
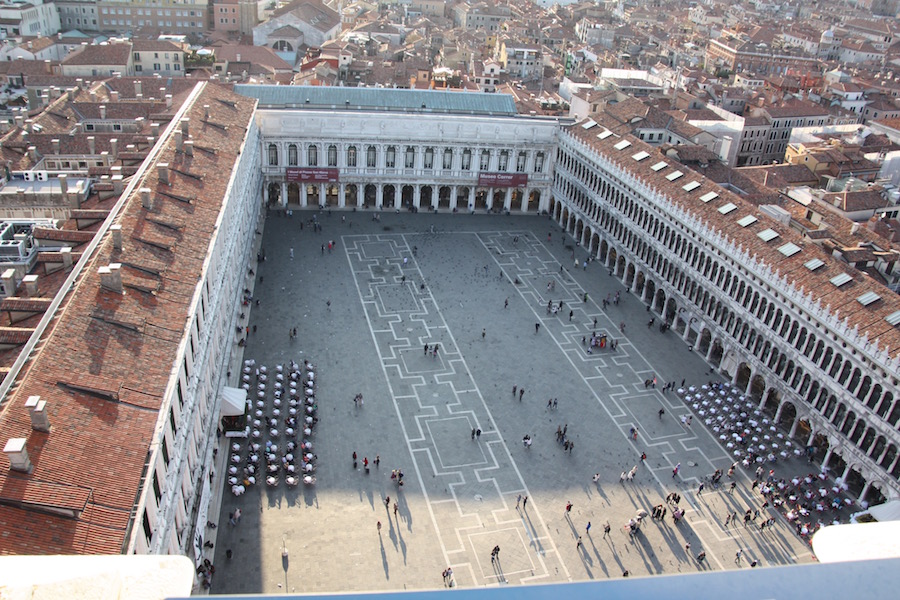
(150, 17)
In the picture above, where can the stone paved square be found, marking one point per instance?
(365, 328)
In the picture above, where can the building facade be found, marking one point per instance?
(428, 160)
(811, 340)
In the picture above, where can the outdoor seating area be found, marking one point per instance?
(281, 417)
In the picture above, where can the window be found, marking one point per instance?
(429, 158)
(504, 161)
(410, 160)
(312, 156)
(466, 160)
(145, 522)
(485, 160)
(351, 156)
(273, 155)
(370, 156)
(292, 155)
(520, 163)
(539, 163)
(448, 159)
(165, 451)
(332, 155)
(156, 491)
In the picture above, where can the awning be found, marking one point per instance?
(234, 401)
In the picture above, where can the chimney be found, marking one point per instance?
(29, 125)
(168, 100)
(146, 198)
(138, 90)
(116, 236)
(37, 408)
(113, 148)
(103, 112)
(31, 286)
(139, 123)
(154, 129)
(118, 186)
(163, 170)
(66, 256)
(63, 183)
(80, 82)
(20, 196)
(114, 95)
(20, 120)
(189, 147)
(47, 68)
(93, 95)
(185, 127)
(237, 57)
(18, 455)
(92, 147)
(104, 158)
(206, 112)
(74, 199)
(55, 143)
(9, 282)
(32, 152)
(179, 141)
(111, 277)
(45, 98)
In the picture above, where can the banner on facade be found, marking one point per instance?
(502, 179)
(311, 175)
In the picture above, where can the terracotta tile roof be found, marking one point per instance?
(105, 367)
(25, 304)
(104, 55)
(869, 319)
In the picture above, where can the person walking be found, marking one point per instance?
(675, 470)
(661, 413)
(606, 529)
(588, 528)
(378, 526)
(579, 545)
(518, 501)
(396, 508)
(568, 507)
(737, 555)
(483, 333)
(524, 502)
(506, 303)
(701, 557)
(521, 393)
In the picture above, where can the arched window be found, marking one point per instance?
(448, 158)
(429, 158)
(466, 160)
(312, 156)
(390, 158)
(520, 162)
(410, 161)
(485, 161)
(332, 155)
(273, 155)
(539, 162)
(292, 155)
(370, 157)
(351, 156)
(504, 161)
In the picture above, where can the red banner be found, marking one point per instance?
(502, 179)
(311, 175)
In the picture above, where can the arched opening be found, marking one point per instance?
(517, 197)
(498, 201)
(603, 254)
(659, 301)
(787, 416)
(370, 195)
(274, 193)
(855, 481)
(533, 203)
(481, 199)
(715, 357)
(426, 200)
(770, 405)
(389, 196)
(757, 387)
(293, 194)
(629, 275)
(742, 378)
(671, 310)
(351, 195)
(704, 341)
(312, 195)
(444, 194)
(407, 195)
(332, 195)
(641, 282)
(462, 197)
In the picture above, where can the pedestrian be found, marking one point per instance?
(731, 487)
(579, 545)
(701, 557)
(379, 527)
(483, 333)
(515, 389)
(634, 433)
(661, 413)
(687, 547)
(518, 501)
(478, 433)
(377, 459)
(571, 312)
(237, 516)
(228, 554)
(550, 403)
(700, 489)
(727, 520)
(737, 556)
(521, 393)
(568, 507)
(537, 326)
(292, 253)
(675, 470)
(588, 528)
(426, 349)
(473, 433)
(387, 501)
(524, 502)
(555, 404)
(396, 508)
(354, 459)
(506, 303)
(606, 529)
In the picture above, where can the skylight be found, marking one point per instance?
(690, 187)
(659, 166)
(789, 249)
(868, 298)
(767, 235)
(589, 123)
(708, 196)
(674, 175)
(622, 145)
(727, 208)
(640, 156)
(814, 264)
(604, 134)
(841, 279)
(747, 221)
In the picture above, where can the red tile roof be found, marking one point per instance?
(104, 368)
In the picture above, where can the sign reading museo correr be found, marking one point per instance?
(312, 175)
(502, 179)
